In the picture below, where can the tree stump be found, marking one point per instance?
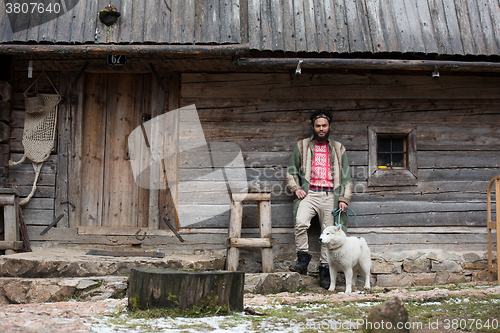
(184, 289)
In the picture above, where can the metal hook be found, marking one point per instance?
(435, 74)
(298, 70)
(140, 238)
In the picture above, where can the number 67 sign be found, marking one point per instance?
(117, 59)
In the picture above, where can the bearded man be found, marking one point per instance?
(319, 175)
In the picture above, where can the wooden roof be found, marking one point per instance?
(443, 27)
(452, 27)
(141, 21)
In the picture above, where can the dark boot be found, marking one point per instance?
(324, 276)
(303, 259)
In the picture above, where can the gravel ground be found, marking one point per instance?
(72, 316)
(76, 317)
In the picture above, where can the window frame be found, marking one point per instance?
(392, 177)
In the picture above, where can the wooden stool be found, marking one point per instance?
(265, 242)
(493, 225)
(9, 199)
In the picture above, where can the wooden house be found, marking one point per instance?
(423, 75)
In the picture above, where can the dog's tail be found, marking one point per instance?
(364, 245)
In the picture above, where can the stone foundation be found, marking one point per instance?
(427, 269)
(401, 269)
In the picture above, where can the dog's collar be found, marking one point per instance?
(338, 247)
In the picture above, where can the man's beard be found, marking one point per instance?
(320, 139)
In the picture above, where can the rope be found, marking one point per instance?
(11, 163)
(24, 232)
(37, 167)
(39, 131)
(337, 212)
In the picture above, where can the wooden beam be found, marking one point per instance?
(135, 49)
(251, 242)
(252, 197)
(353, 230)
(121, 231)
(11, 245)
(7, 200)
(370, 64)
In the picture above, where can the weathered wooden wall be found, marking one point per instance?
(458, 142)
(40, 210)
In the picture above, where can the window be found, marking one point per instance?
(392, 156)
(391, 152)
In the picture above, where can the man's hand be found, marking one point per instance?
(301, 194)
(342, 206)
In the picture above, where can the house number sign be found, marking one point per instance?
(114, 59)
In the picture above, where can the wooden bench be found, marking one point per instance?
(265, 242)
(491, 225)
(9, 200)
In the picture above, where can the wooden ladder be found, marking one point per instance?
(493, 225)
(265, 242)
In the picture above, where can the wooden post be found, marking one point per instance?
(497, 208)
(266, 232)
(11, 228)
(233, 253)
(168, 198)
(9, 199)
(490, 225)
(265, 242)
(157, 108)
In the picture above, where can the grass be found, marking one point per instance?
(463, 313)
(208, 307)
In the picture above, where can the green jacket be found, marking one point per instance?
(299, 172)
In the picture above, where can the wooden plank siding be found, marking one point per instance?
(40, 210)
(380, 241)
(266, 114)
(150, 21)
(458, 141)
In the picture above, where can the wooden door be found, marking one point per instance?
(114, 105)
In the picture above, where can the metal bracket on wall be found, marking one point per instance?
(52, 224)
(68, 202)
(167, 221)
(157, 76)
(73, 84)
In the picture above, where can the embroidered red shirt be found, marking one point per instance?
(321, 174)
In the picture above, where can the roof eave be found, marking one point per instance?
(125, 49)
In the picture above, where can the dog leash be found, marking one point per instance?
(337, 212)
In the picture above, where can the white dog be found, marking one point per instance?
(346, 254)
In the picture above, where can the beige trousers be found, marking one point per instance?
(315, 203)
